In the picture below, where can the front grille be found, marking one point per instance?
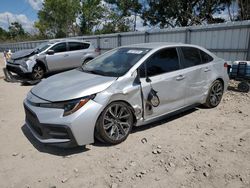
(33, 121)
(14, 69)
(46, 131)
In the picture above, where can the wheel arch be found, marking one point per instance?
(42, 64)
(222, 81)
(127, 103)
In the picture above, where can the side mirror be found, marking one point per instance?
(50, 52)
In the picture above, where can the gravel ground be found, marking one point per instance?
(198, 148)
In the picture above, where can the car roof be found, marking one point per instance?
(67, 40)
(156, 45)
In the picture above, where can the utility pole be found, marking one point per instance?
(8, 20)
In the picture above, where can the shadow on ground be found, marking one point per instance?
(62, 151)
(51, 149)
(165, 119)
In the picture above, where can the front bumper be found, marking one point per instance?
(16, 68)
(49, 126)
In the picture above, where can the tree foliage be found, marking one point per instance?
(172, 13)
(124, 10)
(92, 12)
(57, 17)
(244, 10)
(16, 29)
(63, 18)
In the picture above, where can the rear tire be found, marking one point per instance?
(115, 123)
(215, 94)
(38, 72)
(244, 87)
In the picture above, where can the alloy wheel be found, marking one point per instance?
(216, 93)
(38, 72)
(117, 121)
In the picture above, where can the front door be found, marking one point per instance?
(161, 73)
(59, 60)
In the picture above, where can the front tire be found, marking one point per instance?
(115, 123)
(38, 72)
(215, 94)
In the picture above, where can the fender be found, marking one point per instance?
(42, 59)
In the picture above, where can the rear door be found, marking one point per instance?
(161, 72)
(59, 59)
(196, 74)
(77, 51)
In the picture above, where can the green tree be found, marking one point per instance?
(57, 18)
(172, 13)
(125, 9)
(91, 14)
(3, 34)
(16, 30)
(244, 10)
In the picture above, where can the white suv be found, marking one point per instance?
(50, 57)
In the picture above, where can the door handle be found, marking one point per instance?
(207, 69)
(180, 77)
(66, 55)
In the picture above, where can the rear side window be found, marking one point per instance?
(73, 46)
(61, 47)
(163, 61)
(205, 57)
(191, 57)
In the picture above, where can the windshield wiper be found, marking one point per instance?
(92, 71)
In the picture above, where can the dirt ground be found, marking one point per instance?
(199, 148)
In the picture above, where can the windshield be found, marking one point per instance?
(42, 47)
(116, 62)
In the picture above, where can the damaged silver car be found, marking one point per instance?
(125, 87)
(52, 56)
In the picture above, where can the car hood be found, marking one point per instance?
(22, 53)
(71, 85)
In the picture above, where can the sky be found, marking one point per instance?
(23, 11)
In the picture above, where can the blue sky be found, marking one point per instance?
(23, 11)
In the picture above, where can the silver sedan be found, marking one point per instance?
(125, 87)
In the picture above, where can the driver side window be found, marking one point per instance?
(61, 47)
(161, 62)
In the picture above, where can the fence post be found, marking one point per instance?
(98, 42)
(187, 36)
(146, 37)
(119, 40)
(248, 49)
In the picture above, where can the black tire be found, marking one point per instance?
(38, 72)
(244, 87)
(215, 94)
(115, 123)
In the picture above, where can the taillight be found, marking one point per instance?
(97, 50)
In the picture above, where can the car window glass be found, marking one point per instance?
(116, 62)
(78, 46)
(205, 57)
(161, 62)
(59, 47)
(191, 57)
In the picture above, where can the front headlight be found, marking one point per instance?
(69, 106)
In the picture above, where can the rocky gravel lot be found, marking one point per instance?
(199, 148)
